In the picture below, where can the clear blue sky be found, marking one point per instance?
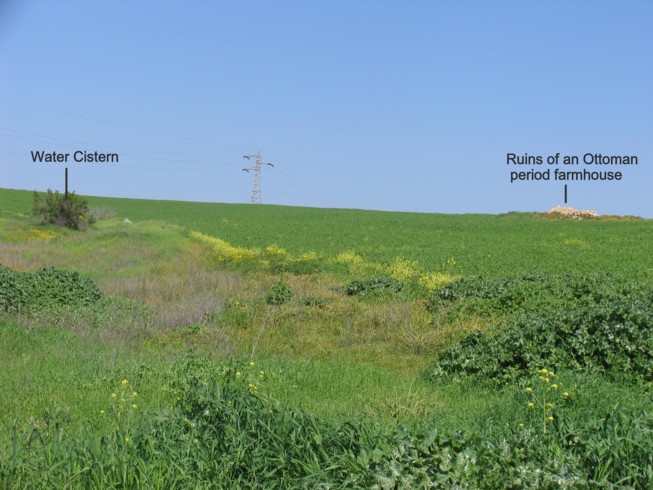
(393, 105)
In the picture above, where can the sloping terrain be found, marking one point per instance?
(266, 346)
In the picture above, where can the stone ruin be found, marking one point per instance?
(573, 213)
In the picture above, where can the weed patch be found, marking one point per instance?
(374, 285)
(569, 322)
(279, 294)
(45, 288)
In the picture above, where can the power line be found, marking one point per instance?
(111, 123)
(290, 196)
(325, 197)
(139, 150)
(157, 158)
(11, 152)
(173, 169)
(303, 190)
(256, 188)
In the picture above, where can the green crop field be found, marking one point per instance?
(197, 345)
(488, 245)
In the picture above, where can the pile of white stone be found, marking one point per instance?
(573, 213)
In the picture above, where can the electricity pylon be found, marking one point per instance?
(256, 188)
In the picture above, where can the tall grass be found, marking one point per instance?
(223, 432)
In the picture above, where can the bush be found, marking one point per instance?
(69, 211)
(573, 322)
(12, 290)
(281, 293)
(530, 291)
(315, 301)
(54, 286)
(45, 288)
(374, 285)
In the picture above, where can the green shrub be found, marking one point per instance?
(13, 296)
(531, 291)
(596, 322)
(315, 301)
(69, 211)
(50, 286)
(279, 294)
(45, 288)
(374, 285)
(237, 314)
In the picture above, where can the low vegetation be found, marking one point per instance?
(597, 322)
(229, 353)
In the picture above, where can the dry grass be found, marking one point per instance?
(183, 294)
(408, 404)
(156, 264)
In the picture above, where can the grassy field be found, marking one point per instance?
(239, 346)
(489, 245)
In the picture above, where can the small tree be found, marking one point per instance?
(70, 211)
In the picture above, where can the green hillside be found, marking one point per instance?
(489, 245)
(195, 345)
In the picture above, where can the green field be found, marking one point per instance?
(489, 245)
(252, 346)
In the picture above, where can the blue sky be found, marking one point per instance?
(392, 105)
